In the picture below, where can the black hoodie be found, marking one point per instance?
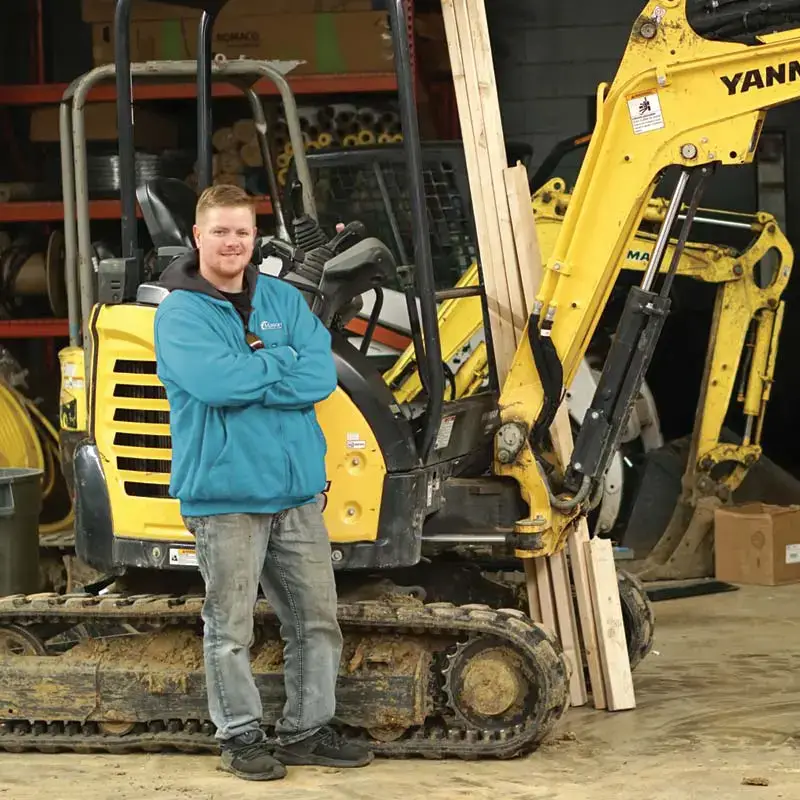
(184, 273)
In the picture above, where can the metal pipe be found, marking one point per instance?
(663, 234)
(86, 276)
(204, 112)
(295, 134)
(458, 292)
(722, 223)
(79, 90)
(70, 234)
(127, 155)
(705, 174)
(260, 122)
(387, 204)
(423, 259)
(461, 538)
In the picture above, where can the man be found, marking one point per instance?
(243, 361)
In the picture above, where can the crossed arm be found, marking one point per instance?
(191, 355)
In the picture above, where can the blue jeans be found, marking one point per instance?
(289, 554)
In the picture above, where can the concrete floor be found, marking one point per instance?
(718, 704)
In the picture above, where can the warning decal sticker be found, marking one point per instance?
(645, 112)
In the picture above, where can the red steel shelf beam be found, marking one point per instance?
(52, 211)
(41, 94)
(33, 328)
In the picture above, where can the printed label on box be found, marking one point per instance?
(793, 553)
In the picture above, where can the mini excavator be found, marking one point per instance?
(121, 668)
(744, 338)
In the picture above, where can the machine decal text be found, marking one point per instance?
(761, 78)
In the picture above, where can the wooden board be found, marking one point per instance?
(567, 626)
(561, 432)
(473, 134)
(576, 545)
(611, 639)
(512, 272)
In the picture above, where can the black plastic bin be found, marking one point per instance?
(20, 505)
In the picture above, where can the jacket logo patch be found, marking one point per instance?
(271, 326)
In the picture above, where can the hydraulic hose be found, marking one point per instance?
(28, 439)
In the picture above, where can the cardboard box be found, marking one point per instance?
(757, 544)
(328, 43)
(152, 131)
(93, 11)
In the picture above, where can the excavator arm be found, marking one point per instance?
(744, 330)
(678, 100)
(740, 357)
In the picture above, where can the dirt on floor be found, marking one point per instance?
(718, 712)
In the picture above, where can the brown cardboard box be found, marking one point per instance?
(328, 43)
(93, 11)
(756, 543)
(152, 131)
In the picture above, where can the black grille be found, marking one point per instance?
(141, 417)
(140, 392)
(137, 489)
(144, 465)
(143, 440)
(135, 367)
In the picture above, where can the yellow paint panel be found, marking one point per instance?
(124, 430)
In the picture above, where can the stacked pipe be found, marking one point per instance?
(236, 150)
(232, 145)
(337, 125)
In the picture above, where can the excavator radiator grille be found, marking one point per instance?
(142, 447)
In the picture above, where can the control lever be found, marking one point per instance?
(348, 235)
(278, 248)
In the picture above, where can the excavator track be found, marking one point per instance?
(484, 683)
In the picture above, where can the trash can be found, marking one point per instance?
(20, 505)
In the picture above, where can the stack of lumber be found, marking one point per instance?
(574, 594)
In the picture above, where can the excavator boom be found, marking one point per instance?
(743, 340)
(676, 101)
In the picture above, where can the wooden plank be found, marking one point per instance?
(532, 587)
(546, 596)
(567, 627)
(583, 595)
(475, 12)
(610, 626)
(529, 256)
(473, 133)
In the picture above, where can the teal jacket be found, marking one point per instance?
(245, 436)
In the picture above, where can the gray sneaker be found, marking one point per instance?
(325, 748)
(247, 756)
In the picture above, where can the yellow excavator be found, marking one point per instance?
(121, 667)
(750, 284)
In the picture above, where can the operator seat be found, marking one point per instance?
(168, 206)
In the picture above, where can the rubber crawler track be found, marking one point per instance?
(638, 615)
(541, 653)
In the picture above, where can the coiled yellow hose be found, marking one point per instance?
(23, 445)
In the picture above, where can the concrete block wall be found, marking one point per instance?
(549, 58)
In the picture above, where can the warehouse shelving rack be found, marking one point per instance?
(42, 93)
